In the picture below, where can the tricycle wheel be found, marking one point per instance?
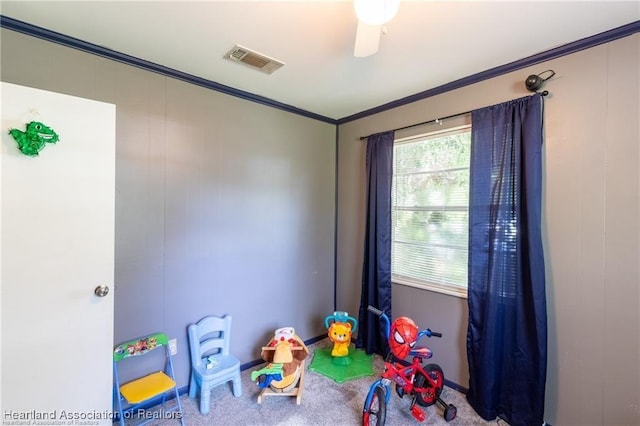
(375, 412)
(431, 386)
(450, 412)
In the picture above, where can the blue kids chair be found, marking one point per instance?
(147, 389)
(211, 362)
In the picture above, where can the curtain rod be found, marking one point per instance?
(543, 93)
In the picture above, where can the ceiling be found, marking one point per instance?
(427, 44)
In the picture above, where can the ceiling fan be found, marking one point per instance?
(372, 15)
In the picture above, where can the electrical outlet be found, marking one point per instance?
(173, 346)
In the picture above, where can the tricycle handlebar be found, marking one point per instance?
(387, 322)
(428, 333)
(375, 310)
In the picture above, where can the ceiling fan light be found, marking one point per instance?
(376, 12)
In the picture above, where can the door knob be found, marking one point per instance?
(101, 290)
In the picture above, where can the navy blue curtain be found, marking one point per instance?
(507, 330)
(376, 269)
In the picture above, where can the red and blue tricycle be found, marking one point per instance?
(423, 384)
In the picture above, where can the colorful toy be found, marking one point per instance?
(340, 326)
(341, 362)
(284, 373)
(423, 384)
(33, 139)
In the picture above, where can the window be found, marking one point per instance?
(430, 211)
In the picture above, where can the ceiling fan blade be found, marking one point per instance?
(367, 39)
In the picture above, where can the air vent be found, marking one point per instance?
(253, 59)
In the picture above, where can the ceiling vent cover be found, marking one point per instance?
(253, 59)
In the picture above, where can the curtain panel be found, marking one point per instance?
(507, 329)
(376, 269)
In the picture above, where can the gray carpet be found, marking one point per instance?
(323, 402)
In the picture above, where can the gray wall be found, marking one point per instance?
(223, 206)
(590, 223)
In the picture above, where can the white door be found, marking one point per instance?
(57, 246)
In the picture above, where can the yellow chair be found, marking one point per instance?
(151, 388)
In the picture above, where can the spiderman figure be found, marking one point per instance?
(403, 337)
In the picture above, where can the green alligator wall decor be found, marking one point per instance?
(34, 138)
